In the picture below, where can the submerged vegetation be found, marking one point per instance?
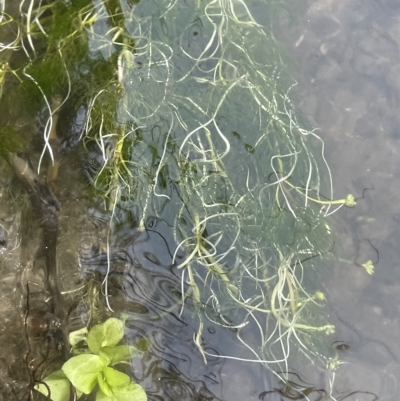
(187, 117)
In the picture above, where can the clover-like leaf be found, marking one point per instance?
(109, 333)
(120, 353)
(58, 384)
(82, 371)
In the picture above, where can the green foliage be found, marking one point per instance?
(10, 141)
(88, 370)
(58, 384)
(117, 354)
(82, 371)
(109, 333)
(131, 392)
(188, 104)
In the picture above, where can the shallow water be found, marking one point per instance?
(347, 55)
(346, 58)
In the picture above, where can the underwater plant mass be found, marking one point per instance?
(185, 117)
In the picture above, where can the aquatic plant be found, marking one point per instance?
(92, 367)
(188, 105)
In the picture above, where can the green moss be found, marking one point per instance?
(10, 141)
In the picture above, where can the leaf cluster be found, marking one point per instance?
(94, 369)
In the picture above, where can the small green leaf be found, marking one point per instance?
(114, 378)
(82, 371)
(100, 396)
(110, 378)
(77, 336)
(109, 333)
(130, 392)
(104, 387)
(120, 353)
(59, 386)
